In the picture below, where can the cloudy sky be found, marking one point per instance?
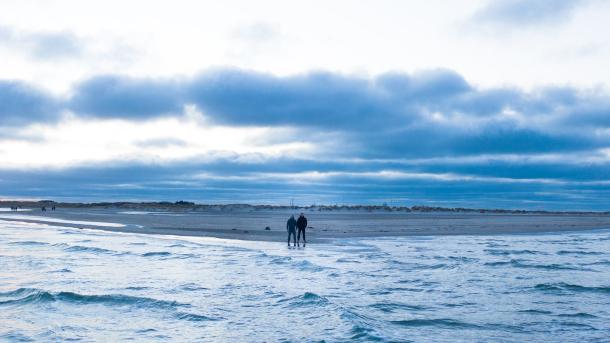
(477, 103)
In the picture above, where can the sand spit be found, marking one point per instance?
(248, 222)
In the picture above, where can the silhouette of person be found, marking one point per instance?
(291, 227)
(301, 225)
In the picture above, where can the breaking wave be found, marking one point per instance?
(24, 296)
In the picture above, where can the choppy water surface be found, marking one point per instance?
(61, 284)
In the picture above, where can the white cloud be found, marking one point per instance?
(76, 142)
(328, 177)
(186, 36)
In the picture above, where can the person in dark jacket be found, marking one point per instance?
(301, 225)
(291, 228)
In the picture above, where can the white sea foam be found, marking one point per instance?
(134, 212)
(63, 221)
(163, 288)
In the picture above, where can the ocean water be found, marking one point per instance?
(63, 284)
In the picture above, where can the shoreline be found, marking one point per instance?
(324, 227)
(186, 206)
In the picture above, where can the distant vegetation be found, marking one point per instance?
(191, 206)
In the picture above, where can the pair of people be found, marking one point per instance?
(292, 225)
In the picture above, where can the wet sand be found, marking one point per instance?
(250, 225)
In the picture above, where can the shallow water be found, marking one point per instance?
(59, 284)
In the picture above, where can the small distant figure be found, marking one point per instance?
(53, 208)
(291, 227)
(301, 225)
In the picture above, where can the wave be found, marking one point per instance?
(393, 307)
(461, 304)
(578, 325)
(562, 286)
(361, 328)
(578, 252)
(419, 266)
(536, 312)
(442, 323)
(193, 317)
(599, 263)
(15, 336)
(29, 243)
(497, 245)
(448, 323)
(94, 250)
(364, 334)
(307, 299)
(30, 296)
(183, 256)
(281, 260)
(177, 246)
(462, 259)
(505, 252)
(60, 245)
(64, 270)
(24, 296)
(156, 253)
(17, 292)
(300, 265)
(313, 297)
(520, 264)
(308, 266)
(577, 315)
(391, 290)
(191, 287)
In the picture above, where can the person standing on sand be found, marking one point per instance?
(301, 225)
(291, 227)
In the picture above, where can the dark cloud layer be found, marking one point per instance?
(240, 97)
(123, 97)
(325, 100)
(385, 114)
(175, 182)
(321, 98)
(391, 122)
(21, 103)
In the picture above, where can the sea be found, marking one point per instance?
(60, 284)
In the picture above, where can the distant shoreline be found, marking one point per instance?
(192, 206)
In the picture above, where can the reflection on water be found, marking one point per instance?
(67, 284)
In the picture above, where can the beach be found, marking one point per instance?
(323, 226)
(249, 224)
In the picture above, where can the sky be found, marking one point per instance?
(480, 103)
